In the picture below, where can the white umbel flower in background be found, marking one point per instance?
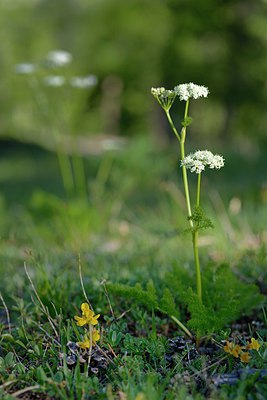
(83, 82)
(196, 162)
(58, 58)
(187, 91)
(25, 68)
(54, 80)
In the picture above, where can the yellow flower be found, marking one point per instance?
(88, 316)
(233, 349)
(254, 345)
(228, 347)
(245, 357)
(86, 343)
(236, 351)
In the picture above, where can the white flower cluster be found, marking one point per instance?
(190, 90)
(58, 58)
(161, 92)
(83, 82)
(197, 161)
(25, 68)
(80, 82)
(54, 80)
(185, 91)
(164, 96)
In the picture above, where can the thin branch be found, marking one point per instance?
(8, 383)
(104, 354)
(210, 366)
(108, 299)
(25, 390)
(81, 280)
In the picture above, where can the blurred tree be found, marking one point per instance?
(137, 44)
(223, 45)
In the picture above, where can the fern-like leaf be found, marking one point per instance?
(136, 294)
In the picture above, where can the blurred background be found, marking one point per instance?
(131, 46)
(77, 116)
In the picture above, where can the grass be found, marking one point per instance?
(130, 231)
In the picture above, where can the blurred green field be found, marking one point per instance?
(135, 210)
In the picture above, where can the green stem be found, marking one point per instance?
(198, 189)
(91, 346)
(186, 189)
(178, 322)
(181, 137)
(198, 272)
(186, 110)
(181, 325)
(184, 172)
(172, 125)
(195, 245)
(194, 231)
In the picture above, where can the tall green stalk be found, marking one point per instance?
(198, 189)
(184, 172)
(195, 245)
(181, 138)
(196, 164)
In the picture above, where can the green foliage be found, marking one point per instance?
(139, 346)
(249, 387)
(200, 220)
(65, 383)
(136, 294)
(187, 121)
(225, 298)
(148, 298)
(167, 304)
(229, 287)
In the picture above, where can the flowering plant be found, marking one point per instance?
(88, 320)
(194, 162)
(55, 94)
(242, 352)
